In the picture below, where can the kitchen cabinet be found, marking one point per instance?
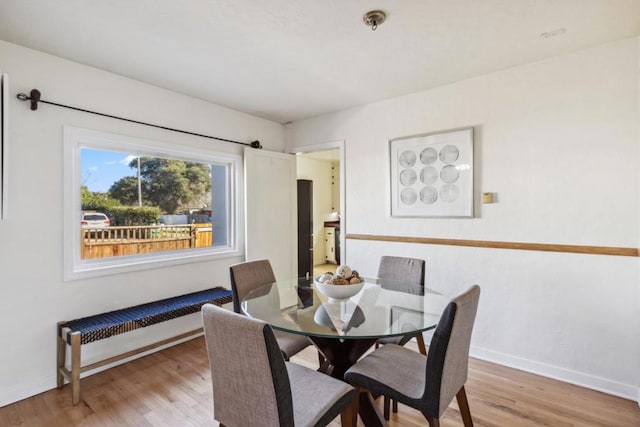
(332, 241)
(330, 245)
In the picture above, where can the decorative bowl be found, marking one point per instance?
(338, 292)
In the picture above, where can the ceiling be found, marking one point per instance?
(286, 60)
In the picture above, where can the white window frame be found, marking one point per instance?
(76, 139)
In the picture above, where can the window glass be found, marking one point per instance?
(134, 202)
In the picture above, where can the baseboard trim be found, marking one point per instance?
(15, 394)
(626, 391)
(23, 391)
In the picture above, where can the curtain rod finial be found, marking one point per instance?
(256, 144)
(35, 98)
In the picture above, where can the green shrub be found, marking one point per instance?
(99, 203)
(134, 215)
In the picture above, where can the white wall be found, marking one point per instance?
(33, 296)
(319, 172)
(558, 141)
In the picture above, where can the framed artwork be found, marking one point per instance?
(432, 175)
(4, 111)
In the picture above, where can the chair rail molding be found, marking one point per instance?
(523, 246)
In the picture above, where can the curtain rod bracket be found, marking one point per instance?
(35, 99)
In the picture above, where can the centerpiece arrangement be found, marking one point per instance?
(341, 285)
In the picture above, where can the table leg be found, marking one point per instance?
(368, 411)
(340, 355)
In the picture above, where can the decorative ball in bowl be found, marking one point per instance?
(341, 285)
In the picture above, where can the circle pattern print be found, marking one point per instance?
(408, 177)
(428, 156)
(449, 193)
(407, 159)
(428, 175)
(428, 195)
(449, 154)
(449, 174)
(408, 196)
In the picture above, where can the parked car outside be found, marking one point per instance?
(94, 220)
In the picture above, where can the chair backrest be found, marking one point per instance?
(400, 270)
(247, 276)
(250, 381)
(448, 358)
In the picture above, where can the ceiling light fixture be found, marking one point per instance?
(374, 18)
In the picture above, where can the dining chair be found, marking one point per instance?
(250, 275)
(254, 386)
(393, 271)
(391, 370)
(407, 271)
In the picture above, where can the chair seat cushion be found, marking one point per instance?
(393, 371)
(390, 340)
(401, 340)
(290, 344)
(317, 398)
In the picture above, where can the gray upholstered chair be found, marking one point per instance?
(392, 272)
(408, 271)
(254, 386)
(250, 275)
(392, 370)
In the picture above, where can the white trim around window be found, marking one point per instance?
(75, 268)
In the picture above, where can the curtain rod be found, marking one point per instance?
(35, 98)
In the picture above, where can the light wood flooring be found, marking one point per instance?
(172, 388)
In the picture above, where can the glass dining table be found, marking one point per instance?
(344, 330)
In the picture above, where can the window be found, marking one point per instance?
(133, 203)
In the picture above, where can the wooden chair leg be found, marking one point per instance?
(320, 359)
(349, 417)
(433, 421)
(386, 405)
(463, 404)
(421, 346)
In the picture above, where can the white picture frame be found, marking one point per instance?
(432, 174)
(4, 136)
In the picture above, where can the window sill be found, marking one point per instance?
(125, 264)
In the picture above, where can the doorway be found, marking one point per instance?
(324, 166)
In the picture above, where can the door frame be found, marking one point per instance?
(340, 145)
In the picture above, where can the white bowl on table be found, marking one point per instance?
(338, 292)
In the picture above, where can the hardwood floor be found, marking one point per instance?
(172, 388)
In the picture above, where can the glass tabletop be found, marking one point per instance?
(380, 309)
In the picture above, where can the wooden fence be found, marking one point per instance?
(118, 241)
